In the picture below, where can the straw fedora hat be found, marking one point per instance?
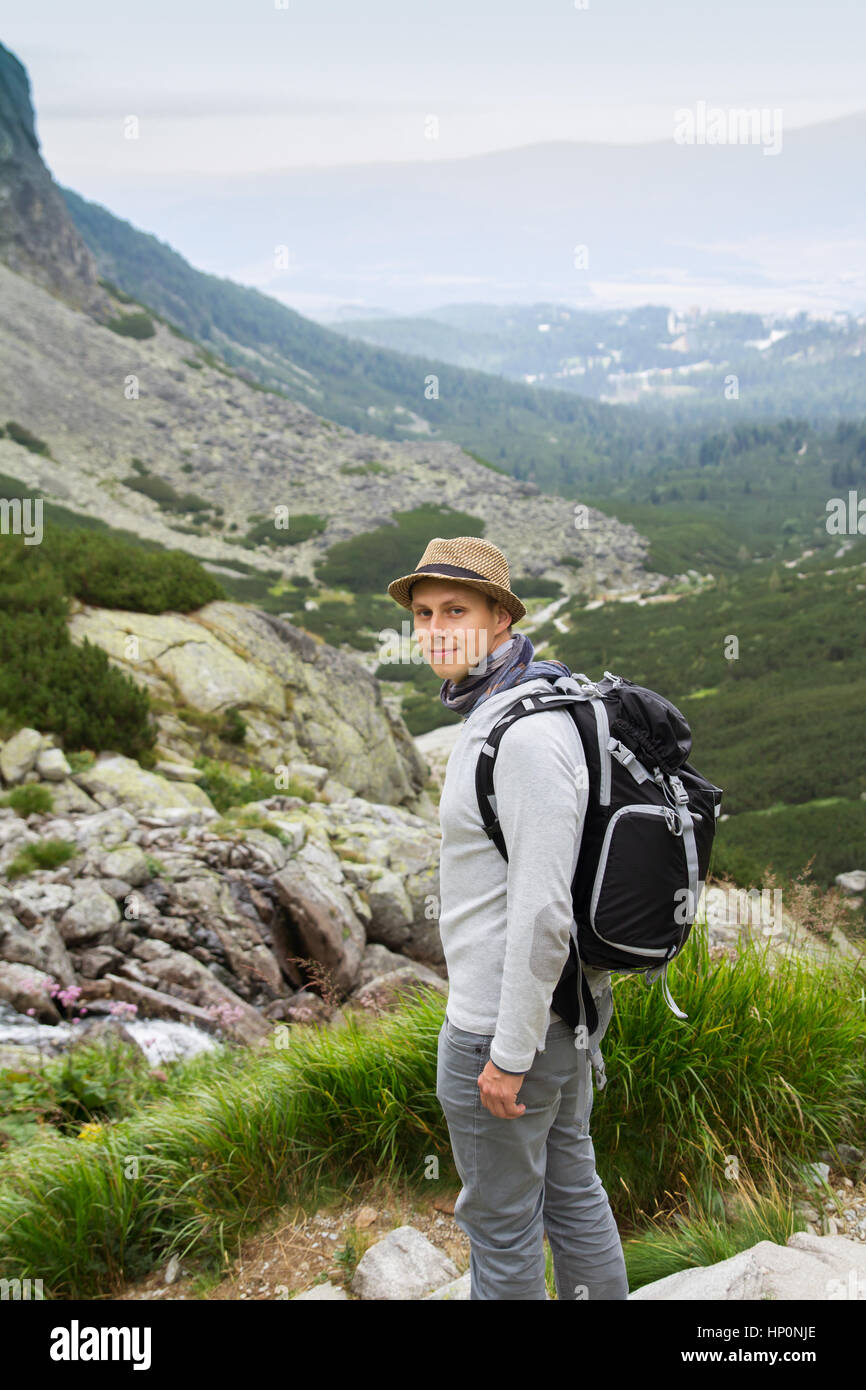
(467, 559)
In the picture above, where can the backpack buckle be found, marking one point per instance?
(680, 792)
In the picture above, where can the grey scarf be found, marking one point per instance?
(509, 665)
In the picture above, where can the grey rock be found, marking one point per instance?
(807, 1267)
(25, 987)
(403, 1265)
(179, 772)
(126, 862)
(817, 1173)
(18, 755)
(16, 943)
(388, 991)
(97, 961)
(51, 765)
(329, 1291)
(325, 921)
(92, 913)
(456, 1290)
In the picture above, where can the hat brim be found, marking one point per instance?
(399, 590)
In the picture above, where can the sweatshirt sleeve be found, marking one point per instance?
(541, 802)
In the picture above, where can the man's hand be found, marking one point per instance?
(499, 1092)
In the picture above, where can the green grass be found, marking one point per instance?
(28, 799)
(43, 854)
(227, 788)
(762, 1070)
(713, 1226)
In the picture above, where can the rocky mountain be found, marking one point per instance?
(37, 238)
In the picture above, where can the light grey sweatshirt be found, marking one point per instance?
(505, 926)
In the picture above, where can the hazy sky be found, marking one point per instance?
(240, 87)
(244, 85)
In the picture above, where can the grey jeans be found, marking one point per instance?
(531, 1175)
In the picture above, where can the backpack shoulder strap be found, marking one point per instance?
(575, 1005)
(529, 704)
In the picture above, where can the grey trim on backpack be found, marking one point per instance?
(600, 712)
(599, 877)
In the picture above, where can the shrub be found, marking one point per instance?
(234, 727)
(28, 799)
(301, 526)
(133, 325)
(535, 586)
(24, 436)
(71, 690)
(367, 563)
(44, 854)
(104, 571)
(162, 492)
(227, 787)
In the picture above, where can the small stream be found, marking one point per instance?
(160, 1039)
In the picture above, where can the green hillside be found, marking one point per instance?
(680, 363)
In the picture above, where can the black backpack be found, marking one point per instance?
(646, 839)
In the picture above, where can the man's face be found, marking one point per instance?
(455, 626)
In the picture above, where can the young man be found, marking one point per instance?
(514, 1080)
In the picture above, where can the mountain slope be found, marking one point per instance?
(546, 436)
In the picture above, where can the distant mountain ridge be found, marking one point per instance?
(802, 364)
(708, 221)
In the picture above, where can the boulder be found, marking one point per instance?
(304, 701)
(329, 1291)
(52, 947)
(92, 913)
(25, 988)
(403, 1265)
(248, 957)
(325, 921)
(807, 1267)
(15, 834)
(32, 901)
(179, 772)
(51, 765)
(115, 780)
(386, 992)
(16, 943)
(249, 1028)
(18, 755)
(126, 862)
(67, 796)
(457, 1289)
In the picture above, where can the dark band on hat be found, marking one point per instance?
(455, 572)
